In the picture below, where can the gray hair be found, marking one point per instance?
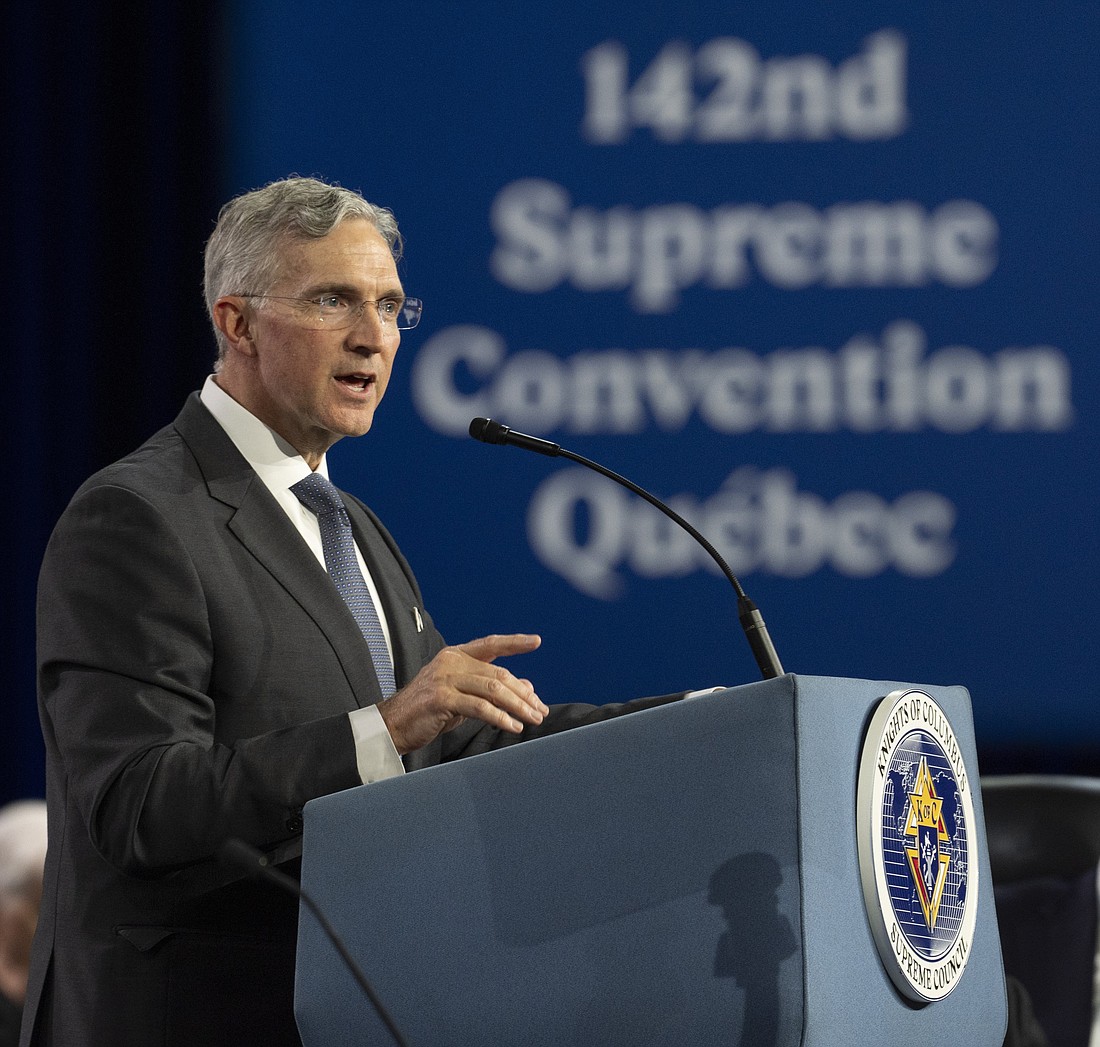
(22, 846)
(245, 250)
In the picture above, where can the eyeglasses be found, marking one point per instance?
(337, 312)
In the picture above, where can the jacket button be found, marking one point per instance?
(294, 825)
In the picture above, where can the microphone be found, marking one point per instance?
(245, 858)
(490, 432)
(752, 622)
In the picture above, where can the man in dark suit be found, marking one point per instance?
(201, 678)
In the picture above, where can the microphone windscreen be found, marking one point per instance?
(488, 431)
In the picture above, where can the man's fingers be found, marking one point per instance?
(529, 688)
(504, 685)
(462, 682)
(516, 699)
(494, 716)
(487, 648)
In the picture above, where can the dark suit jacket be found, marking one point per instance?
(9, 1022)
(196, 669)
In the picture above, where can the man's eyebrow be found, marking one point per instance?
(317, 290)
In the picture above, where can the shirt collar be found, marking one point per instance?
(275, 461)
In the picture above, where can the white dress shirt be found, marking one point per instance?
(279, 466)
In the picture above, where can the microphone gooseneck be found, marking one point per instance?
(752, 622)
(242, 856)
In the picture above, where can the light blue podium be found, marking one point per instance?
(683, 876)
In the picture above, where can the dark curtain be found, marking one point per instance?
(114, 140)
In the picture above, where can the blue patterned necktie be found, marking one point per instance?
(320, 496)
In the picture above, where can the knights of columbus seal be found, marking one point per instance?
(917, 846)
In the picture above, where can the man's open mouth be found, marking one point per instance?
(356, 381)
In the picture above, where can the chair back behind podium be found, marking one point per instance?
(685, 875)
(1044, 850)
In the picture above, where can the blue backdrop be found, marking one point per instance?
(822, 276)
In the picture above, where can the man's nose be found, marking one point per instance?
(370, 331)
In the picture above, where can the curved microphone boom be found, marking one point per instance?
(237, 854)
(752, 622)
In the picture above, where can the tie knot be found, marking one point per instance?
(318, 494)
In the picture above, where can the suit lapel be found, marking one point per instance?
(263, 528)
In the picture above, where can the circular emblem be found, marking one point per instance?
(917, 846)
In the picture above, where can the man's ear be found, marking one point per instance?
(233, 318)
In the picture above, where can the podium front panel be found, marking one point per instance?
(630, 882)
(684, 875)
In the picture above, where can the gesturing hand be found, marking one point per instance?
(461, 682)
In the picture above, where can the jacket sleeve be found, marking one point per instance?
(474, 737)
(128, 649)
